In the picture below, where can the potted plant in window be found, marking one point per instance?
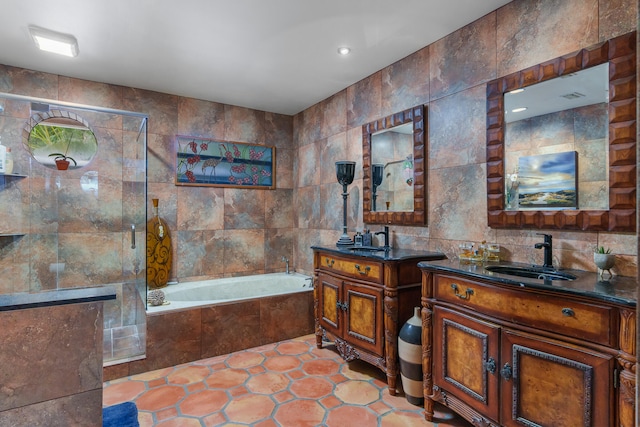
(62, 161)
(604, 260)
(61, 139)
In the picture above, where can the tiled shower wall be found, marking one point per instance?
(216, 231)
(449, 77)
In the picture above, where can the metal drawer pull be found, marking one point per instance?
(467, 293)
(363, 272)
(490, 365)
(506, 372)
(342, 306)
(568, 312)
(329, 262)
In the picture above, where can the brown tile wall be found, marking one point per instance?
(211, 240)
(216, 231)
(57, 378)
(449, 77)
(184, 336)
(226, 232)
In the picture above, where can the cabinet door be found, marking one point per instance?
(364, 324)
(465, 359)
(329, 303)
(552, 384)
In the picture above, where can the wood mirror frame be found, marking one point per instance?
(419, 214)
(620, 53)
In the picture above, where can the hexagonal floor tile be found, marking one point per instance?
(161, 397)
(357, 392)
(321, 367)
(245, 359)
(300, 413)
(227, 378)
(348, 416)
(122, 392)
(249, 408)
(268, 383)
(312, 387)
(188, 374)
(281, 363)
(203, 402)
(292, 347)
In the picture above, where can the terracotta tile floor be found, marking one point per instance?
(290, 383)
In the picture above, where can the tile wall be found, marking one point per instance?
(449, 77)
(225, 232)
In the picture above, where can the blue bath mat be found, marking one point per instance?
(120, 415)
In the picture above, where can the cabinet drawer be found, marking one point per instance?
(551, 313)
(359, 269)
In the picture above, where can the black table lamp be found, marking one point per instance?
(377, 180)
(344, 172)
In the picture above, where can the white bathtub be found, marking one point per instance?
(215, 291)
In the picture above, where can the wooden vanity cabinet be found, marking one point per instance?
(504, 355)
(360, 303)
(352, 312)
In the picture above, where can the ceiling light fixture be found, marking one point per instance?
(344, 51)
(51, 41)
(516, 91)
(518, 110)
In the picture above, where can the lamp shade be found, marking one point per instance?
(377, 174)
(345, 171)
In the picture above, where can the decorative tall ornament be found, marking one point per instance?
(158, 250)
(344, 172)
(410, 355)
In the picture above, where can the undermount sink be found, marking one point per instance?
(366, 248)
(541, 273)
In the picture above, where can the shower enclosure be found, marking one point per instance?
(80, 227)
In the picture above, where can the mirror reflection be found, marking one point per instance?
(393, 163)
(60, 140)
(605, 182)
(556, 143)
(392, 158)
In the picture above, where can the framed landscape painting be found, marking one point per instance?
(209, 162)
(548, 181)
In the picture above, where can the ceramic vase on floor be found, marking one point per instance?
(410, 353)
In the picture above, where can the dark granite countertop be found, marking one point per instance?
(618, 289)
(25, 300)
(384, 255)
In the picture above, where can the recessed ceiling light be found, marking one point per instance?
(518, 110)
(516, 91)
(51, 41)
(344, 50)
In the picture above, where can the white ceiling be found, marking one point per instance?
(272, 55)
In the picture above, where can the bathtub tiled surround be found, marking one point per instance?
(183, 336)
(285, 384)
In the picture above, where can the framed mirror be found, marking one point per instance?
(59, 139)
(598, 165)
(393, 158)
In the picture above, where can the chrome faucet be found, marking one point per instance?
(286, 260)
(548, 249)
(385, 233)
